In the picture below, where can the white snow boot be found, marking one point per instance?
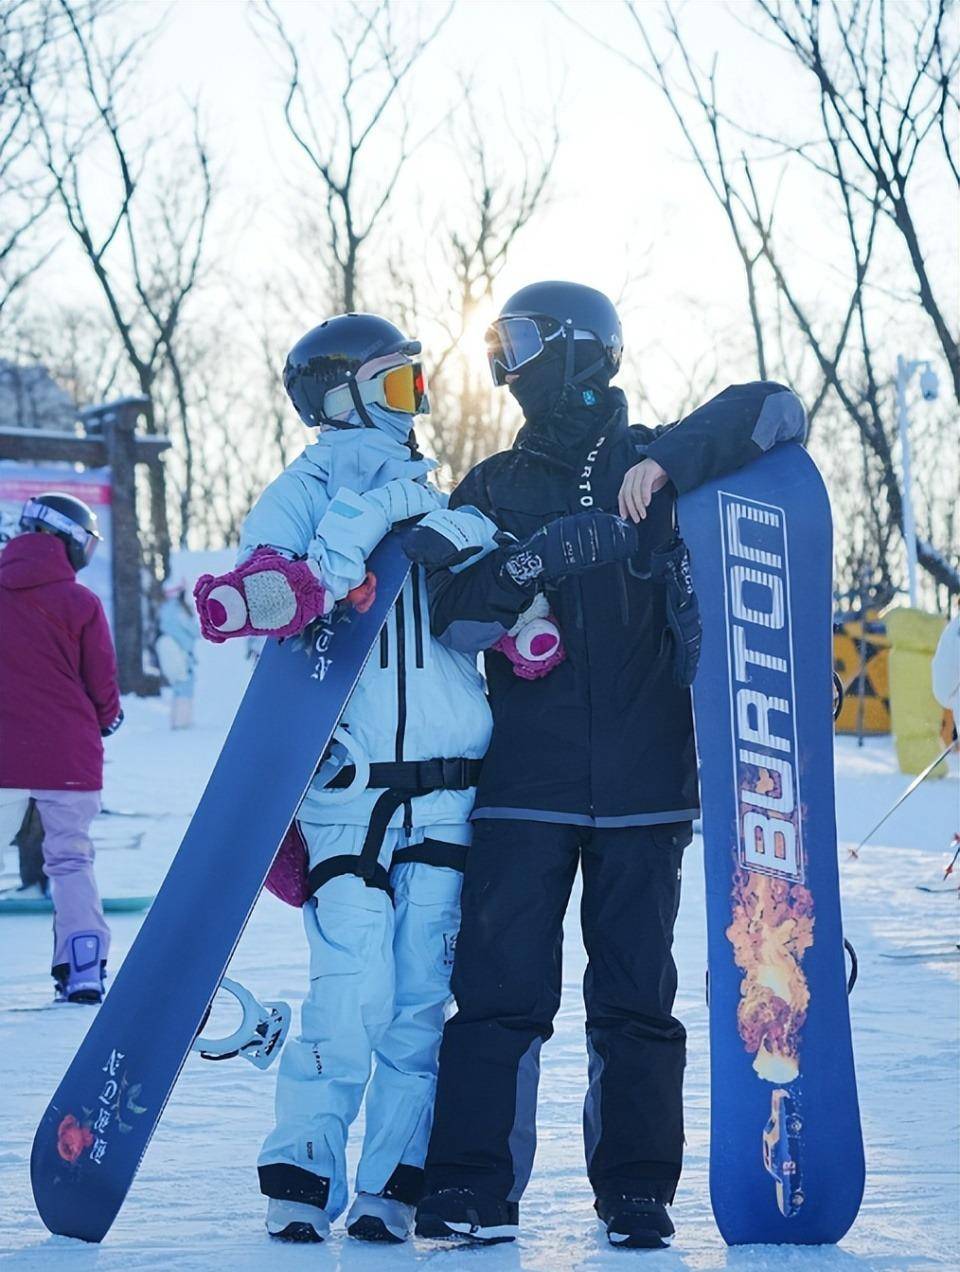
(296, 1221)
(181, 713)
(376, 1218)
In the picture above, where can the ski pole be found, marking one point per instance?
(954, 843)
(855, 852)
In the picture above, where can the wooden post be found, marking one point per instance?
(118, 429)
(111, 439)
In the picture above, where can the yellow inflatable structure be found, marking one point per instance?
(864, 644)
(915, 713)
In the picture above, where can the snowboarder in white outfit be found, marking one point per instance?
(385, 823)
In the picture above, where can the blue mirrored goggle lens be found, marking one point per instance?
(513, 342)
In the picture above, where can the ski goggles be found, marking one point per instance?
(87, 540)
(402, 388)
(512, 343)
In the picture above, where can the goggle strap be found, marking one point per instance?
(41, 512)
(356, 393)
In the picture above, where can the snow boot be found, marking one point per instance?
(465, 1212)
(81, 980)
(376, 1218)
(295, 1221)
(181, 713)
(635, 1222)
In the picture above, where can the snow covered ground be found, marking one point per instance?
(195, 1203)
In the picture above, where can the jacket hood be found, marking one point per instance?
(361, 459)
(31, 560)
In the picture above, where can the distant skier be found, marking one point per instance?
(58, 700)
(178, 634)
(385, 823)
(591, 765)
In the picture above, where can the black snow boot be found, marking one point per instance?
(464, 1212)
(635, 1222)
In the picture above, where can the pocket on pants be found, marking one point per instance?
(348, 932)
(672, 835)
(427, 901)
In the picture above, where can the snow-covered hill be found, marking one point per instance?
(195, 1203)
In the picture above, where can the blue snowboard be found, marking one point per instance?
(96, 1129)
(786, 1153)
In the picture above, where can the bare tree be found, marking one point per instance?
(146, 251)
(338, 136)
(25, 196)
(470, 420)
(886, 78)
(839, 348)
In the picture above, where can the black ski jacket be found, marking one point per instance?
(606, 738)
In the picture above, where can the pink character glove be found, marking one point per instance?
(533, 644)
(268, 595)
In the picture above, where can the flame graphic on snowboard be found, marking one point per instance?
(771, 929)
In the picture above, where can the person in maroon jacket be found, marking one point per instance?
(58, 699)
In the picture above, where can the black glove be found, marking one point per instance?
(107, 730)
(670, 564)
(571, 545)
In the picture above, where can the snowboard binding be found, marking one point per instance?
(259, 1036)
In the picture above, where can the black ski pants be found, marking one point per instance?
(507, 982)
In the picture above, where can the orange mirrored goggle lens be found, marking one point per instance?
(404, 388)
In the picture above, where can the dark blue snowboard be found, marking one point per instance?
(96, 1129)
(786, 1153)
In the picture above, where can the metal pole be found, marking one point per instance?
(904, 371)
(862, 653)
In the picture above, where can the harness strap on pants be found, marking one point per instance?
(433, 852)
(403, 780)
(365, 865)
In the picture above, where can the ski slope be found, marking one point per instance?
(195, 1203)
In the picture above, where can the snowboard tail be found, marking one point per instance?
(96, 1128)
(786, 1156)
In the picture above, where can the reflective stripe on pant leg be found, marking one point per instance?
(324, 1071)
(399, 1104)
(523, 1135)
(68, 861)
(593, 1103)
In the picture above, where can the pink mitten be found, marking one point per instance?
(533, 644)
(268, 595)
(288, 874)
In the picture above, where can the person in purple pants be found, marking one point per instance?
(58, 700)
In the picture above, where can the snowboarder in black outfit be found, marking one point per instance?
(592, 764)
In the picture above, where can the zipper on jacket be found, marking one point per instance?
(401, 678)
(417, 615)
(384, 647)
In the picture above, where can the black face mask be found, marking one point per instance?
(567, 414)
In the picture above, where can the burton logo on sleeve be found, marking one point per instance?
(771, 920)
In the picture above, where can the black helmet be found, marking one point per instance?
(72, 521)
(329, 357)
(542, 312)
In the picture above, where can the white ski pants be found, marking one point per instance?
(379, 986)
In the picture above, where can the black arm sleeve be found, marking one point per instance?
(472, 609)
(730, 430)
